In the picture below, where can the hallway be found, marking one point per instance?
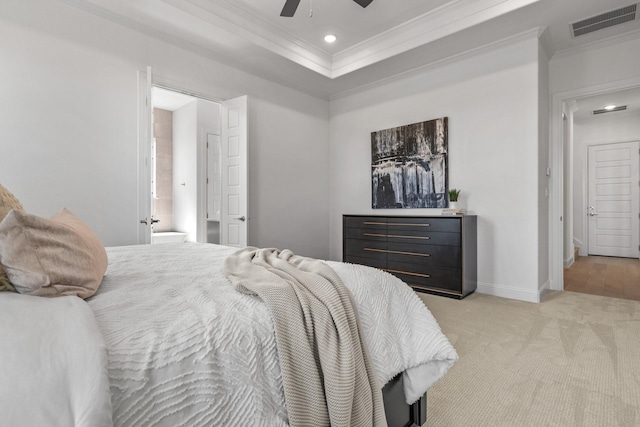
(605, 276)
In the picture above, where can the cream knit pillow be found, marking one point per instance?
(7, 202)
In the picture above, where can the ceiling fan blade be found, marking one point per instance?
(289, 8)
(363, 3)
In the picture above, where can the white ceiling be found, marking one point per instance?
(382, 40)
(170, 100)
(337, 17)
(584, 107)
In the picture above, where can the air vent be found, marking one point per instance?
(609, 19)
(604, 110)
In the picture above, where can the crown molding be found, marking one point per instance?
(599, 44)
(128, 16)
(507, 41)
(455, 16)
(203, 21)
(257, 30)
(546, 42)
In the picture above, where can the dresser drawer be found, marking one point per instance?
(423, 237)
(371, 262)
(415, 224)
(373, 249)
(438, 278)
(365, 233)
(445, 256)
(366, 222)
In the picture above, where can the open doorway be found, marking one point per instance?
(182, 125)
(209, 174)
(601, 194)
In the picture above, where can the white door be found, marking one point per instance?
(234, 215)
(145, 139)
(613, 210)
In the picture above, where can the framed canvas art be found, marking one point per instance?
(409, 166)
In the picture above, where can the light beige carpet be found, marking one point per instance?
(572, 360)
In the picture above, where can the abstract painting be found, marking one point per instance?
(409, 166)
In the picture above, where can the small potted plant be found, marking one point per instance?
(453, 198)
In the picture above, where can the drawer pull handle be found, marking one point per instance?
(396, 223)
(410, 225)
(409, 237)
(396, 235)
(406, 272)
(395, 252)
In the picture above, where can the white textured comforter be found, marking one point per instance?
(186, 349)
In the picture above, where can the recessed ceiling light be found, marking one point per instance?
(330, 38)
(609, 107)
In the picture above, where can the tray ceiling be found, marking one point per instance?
(385, 39)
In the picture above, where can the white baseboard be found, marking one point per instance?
(568, 262)
(582, 250)
(546, 287)
(512, 292)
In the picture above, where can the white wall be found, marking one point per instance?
(185, 168)
(69, 138)
(288, 183)
(608, 128)
(491, 100)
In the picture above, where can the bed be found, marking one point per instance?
(167, 340)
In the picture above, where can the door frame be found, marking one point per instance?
(557, 162)
(145, 137)
(584, 251)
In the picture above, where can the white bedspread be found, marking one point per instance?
(53, 369)
(400, 332)
(186, 349)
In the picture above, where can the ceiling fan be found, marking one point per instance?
(290, 6)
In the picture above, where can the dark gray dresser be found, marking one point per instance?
(434, 254)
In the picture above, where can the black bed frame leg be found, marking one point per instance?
(399, 414)
(420, 411)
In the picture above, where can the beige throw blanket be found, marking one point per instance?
(327, 375)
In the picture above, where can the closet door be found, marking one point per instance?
(613, 211)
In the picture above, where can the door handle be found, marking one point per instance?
(146, 222)
(593, 214)
(242, 218)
